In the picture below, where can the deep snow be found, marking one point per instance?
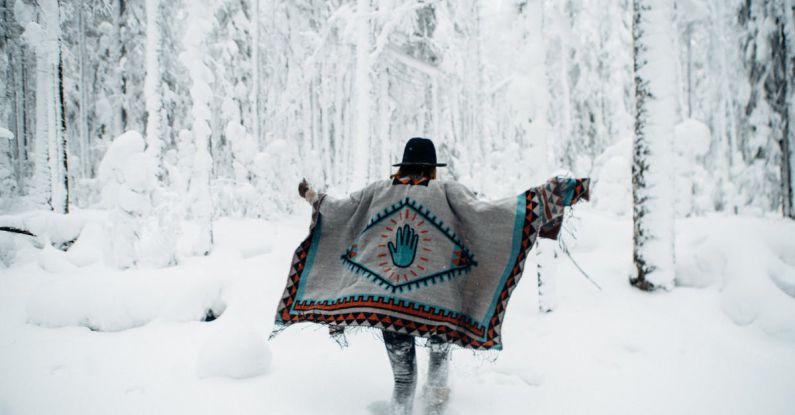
(77, 337)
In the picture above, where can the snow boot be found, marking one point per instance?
(435, 399)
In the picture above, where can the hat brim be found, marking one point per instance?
(420, 164)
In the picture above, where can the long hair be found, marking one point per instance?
(428, 172)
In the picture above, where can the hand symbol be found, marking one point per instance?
(405, 247)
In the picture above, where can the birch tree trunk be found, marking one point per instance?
(652, 175)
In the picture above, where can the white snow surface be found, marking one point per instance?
(77, 337)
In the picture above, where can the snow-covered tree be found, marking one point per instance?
(43, 33)
(127, 178)
(255, 72)
(14, 58)
(152, 81)
(362, 84)
(199, 194)
(269, 91)
(766, 131)
(652, 175)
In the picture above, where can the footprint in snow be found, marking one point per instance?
(632, 348)
(57, 370)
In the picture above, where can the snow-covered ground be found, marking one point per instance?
(77, 337)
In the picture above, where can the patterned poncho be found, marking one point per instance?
(424, 258)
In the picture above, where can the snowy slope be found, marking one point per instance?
(618, 351)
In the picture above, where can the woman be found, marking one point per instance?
(418, 257)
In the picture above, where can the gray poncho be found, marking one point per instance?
(422, 258)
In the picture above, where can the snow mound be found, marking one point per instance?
(752, 263)
(612, 183)
(54, 261)
(6, 133)
(49, 229)
(234, 353)
(115, 159)
(87, 249)
(104, 300)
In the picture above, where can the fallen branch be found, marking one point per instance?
(17, 230)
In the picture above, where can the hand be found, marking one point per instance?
(405, 247)
(303, 187)
(571, 190)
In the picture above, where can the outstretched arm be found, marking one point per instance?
(555, 195)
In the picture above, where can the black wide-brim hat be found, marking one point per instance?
(419, 152)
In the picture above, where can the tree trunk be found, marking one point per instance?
(656, 114)
(256, 74)
(28, 67)
(360, 159)
(41, 173)
(200, 194)
(788, 112)
(51, 180)
(689, 48)
(152, 94)
(85, 141)
(63, 149)
(19, 114)
(55, 107)
(725, 118)
(535, 132)
(117, 101)
(566, 158)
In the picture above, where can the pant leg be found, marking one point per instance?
(438, 366)
(436, 392)
(403, 358)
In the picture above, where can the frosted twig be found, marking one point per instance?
(568, 254)
(570, 227)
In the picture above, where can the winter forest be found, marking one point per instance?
(150, 152)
